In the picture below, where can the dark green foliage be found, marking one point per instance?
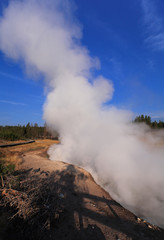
(12, 133)
(147, 119)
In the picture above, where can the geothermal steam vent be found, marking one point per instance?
(96, 136)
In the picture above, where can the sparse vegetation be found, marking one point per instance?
(13, 155)
(6, 168)
(26, 198)
(34, 200)
(6, 171)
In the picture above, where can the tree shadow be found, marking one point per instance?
(55, 209)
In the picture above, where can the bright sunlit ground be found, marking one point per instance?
(13, 154)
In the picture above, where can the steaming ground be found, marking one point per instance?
(125, 157)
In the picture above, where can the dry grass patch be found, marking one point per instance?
(14, 154)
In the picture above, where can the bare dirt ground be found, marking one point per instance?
(56, 200)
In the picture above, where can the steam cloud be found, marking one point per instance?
(125, 157)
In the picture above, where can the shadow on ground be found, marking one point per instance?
(49, 206)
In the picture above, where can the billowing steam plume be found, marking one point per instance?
(124, 157)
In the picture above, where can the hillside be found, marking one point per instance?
(43, 199)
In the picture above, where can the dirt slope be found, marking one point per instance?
(66, 203)
(91, 212)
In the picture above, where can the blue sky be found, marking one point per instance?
(127, 37)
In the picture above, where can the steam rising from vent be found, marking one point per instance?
(125, 158)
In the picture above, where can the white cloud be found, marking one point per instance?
(154, 24)
(13, 103)
(7, 75)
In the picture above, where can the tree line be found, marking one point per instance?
(24, 132)
(31, 131)
(147, 119)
